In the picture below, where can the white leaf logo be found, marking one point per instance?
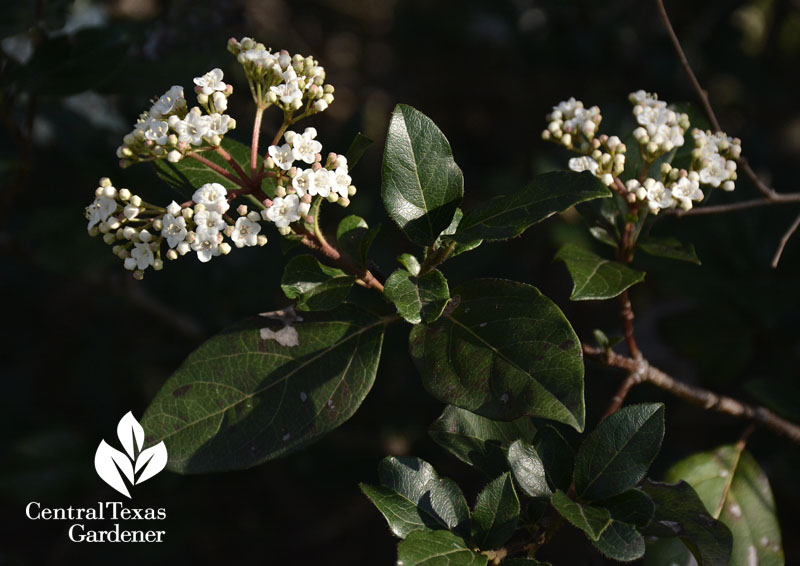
(113, 465)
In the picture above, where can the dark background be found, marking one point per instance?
(83, 343)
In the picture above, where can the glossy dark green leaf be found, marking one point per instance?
(356, 150)
(496, 512)
(524, 562)
(621, 541)
(594, 277)
(528, 469)
(633, 507)
(355, 238)
(413, 497)
(618, 453)
(418, 299)
(557, 455)
(503, 350)
(410, 262)
(479, 441)
(508, 216)
(421, 184)
(315, 287)
(680, 513)
(736, 491)
(437, 548)
(590, 519)
(239, 399)
(188, 174)
(668, 247)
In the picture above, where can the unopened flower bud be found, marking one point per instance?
(138, 274)
(130, 263)
(109, 238)
(261, 240)
(174, 156)
(172, 254)
(224, 248)
(158, 265)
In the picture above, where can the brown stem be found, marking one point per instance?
(626, 313)
(779, 252)
(232, 162)
(784, 198)
(221, 170)
(254, 144)
(697, 396)
(618, 399)
(365, 277)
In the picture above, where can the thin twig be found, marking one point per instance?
(779, 252)
(232, 162)
(626, 313)
(633, 379)
(697, 396)
(220, 170)
(256, 136)
(734, 206)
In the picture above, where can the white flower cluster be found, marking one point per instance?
(660, 129)
(291, 82)
(137, 230)
(713, 158)
(297, 185)
(170, 130)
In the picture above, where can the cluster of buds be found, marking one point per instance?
(572, 125)
(290, 82)
(714, 158)
(137, 231)
(170, 130)
(660, 128)
(606, 161)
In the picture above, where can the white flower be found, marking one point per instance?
(101, 208)
(245, 232)
(658, 196)
(302, 181)
(305, 146)
(209, 220)
(219, 124)
(687, 190)
(130, 211)
(211, 82)
(283, 155)
(212, 196)
(260, 57)
(206, 244)
(288, 93)
(193, 128)
(173, 208)
(341, 181)
(584, 163)
(714, 172)
(645, 100)
(321, 184)
(154, 129)
(167, 102)
(142, 255)
(174, 229)
(285, 210)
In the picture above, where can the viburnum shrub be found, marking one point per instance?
(499, 354)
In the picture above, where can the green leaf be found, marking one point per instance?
(633, 507)
(421, 183)
(418, 299)
(188, 174)
(410, 262)
(413, 497)
(736, 491)
(618, 453)
(496, 513)
(458, 247)
(356, 150)
(478, 441)
(621, 541)
(503, 351)
(355, 238)
(315, 286)
(590, 519)
(508, 216)
(594, 277)
(437, 548)
(239, 400)
(557, 455)
(680, 513)
(528, 470)
(668, 247)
